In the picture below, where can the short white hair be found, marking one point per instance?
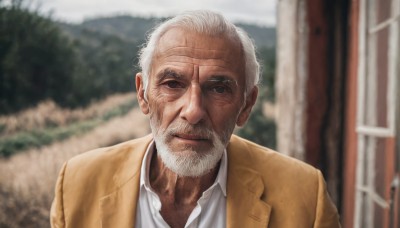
(208, 23)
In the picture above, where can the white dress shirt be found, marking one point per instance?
(210, 210)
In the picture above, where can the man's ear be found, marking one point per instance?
(245, 112)
(140, 91)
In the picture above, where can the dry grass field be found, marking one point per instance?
(47, 113)
(27, 179)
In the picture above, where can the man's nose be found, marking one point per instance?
(193, 110)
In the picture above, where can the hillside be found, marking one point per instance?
(134, 29)
(264, 37)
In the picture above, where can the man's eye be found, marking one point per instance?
(173, 84)
(220, 89)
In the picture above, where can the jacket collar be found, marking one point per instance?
(244, 190)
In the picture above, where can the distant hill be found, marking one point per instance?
(134, 29)
(262, 36)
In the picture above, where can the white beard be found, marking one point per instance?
(188, 162)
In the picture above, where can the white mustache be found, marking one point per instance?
(184, 128)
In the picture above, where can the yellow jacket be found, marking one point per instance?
(100, 188)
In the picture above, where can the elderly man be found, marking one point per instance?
(198, 81)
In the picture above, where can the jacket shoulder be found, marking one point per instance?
(284, 178)
(109, 166)
(291, 187)
(132, 149)
(266, 160)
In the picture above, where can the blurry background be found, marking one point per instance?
(67, 86)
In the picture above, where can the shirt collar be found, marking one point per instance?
(144, 171)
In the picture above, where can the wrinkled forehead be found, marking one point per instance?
(178, 41)
(182, 45)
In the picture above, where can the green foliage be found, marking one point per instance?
(2, 128)
(35, 60)
(259, 129)
(267, 87)
(104, 66)
(39, 61)
(106, 52)
(37, 138)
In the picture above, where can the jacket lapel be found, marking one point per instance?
(244, 191)
(118, 209)
(244, 206)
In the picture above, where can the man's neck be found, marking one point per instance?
(178, 195)
(183, 190)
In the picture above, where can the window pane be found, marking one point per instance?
(380, 216)
(377, 80)
(382, 76)
(382, 10)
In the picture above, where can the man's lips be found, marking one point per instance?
(193, 137)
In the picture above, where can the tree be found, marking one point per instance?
(36, 61)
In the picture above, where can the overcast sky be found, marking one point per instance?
(256, 11)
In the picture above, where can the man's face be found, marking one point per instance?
(196, 95)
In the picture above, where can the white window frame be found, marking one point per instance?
(365, 176)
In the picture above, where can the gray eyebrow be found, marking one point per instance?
(222, 79)
(168, 73)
